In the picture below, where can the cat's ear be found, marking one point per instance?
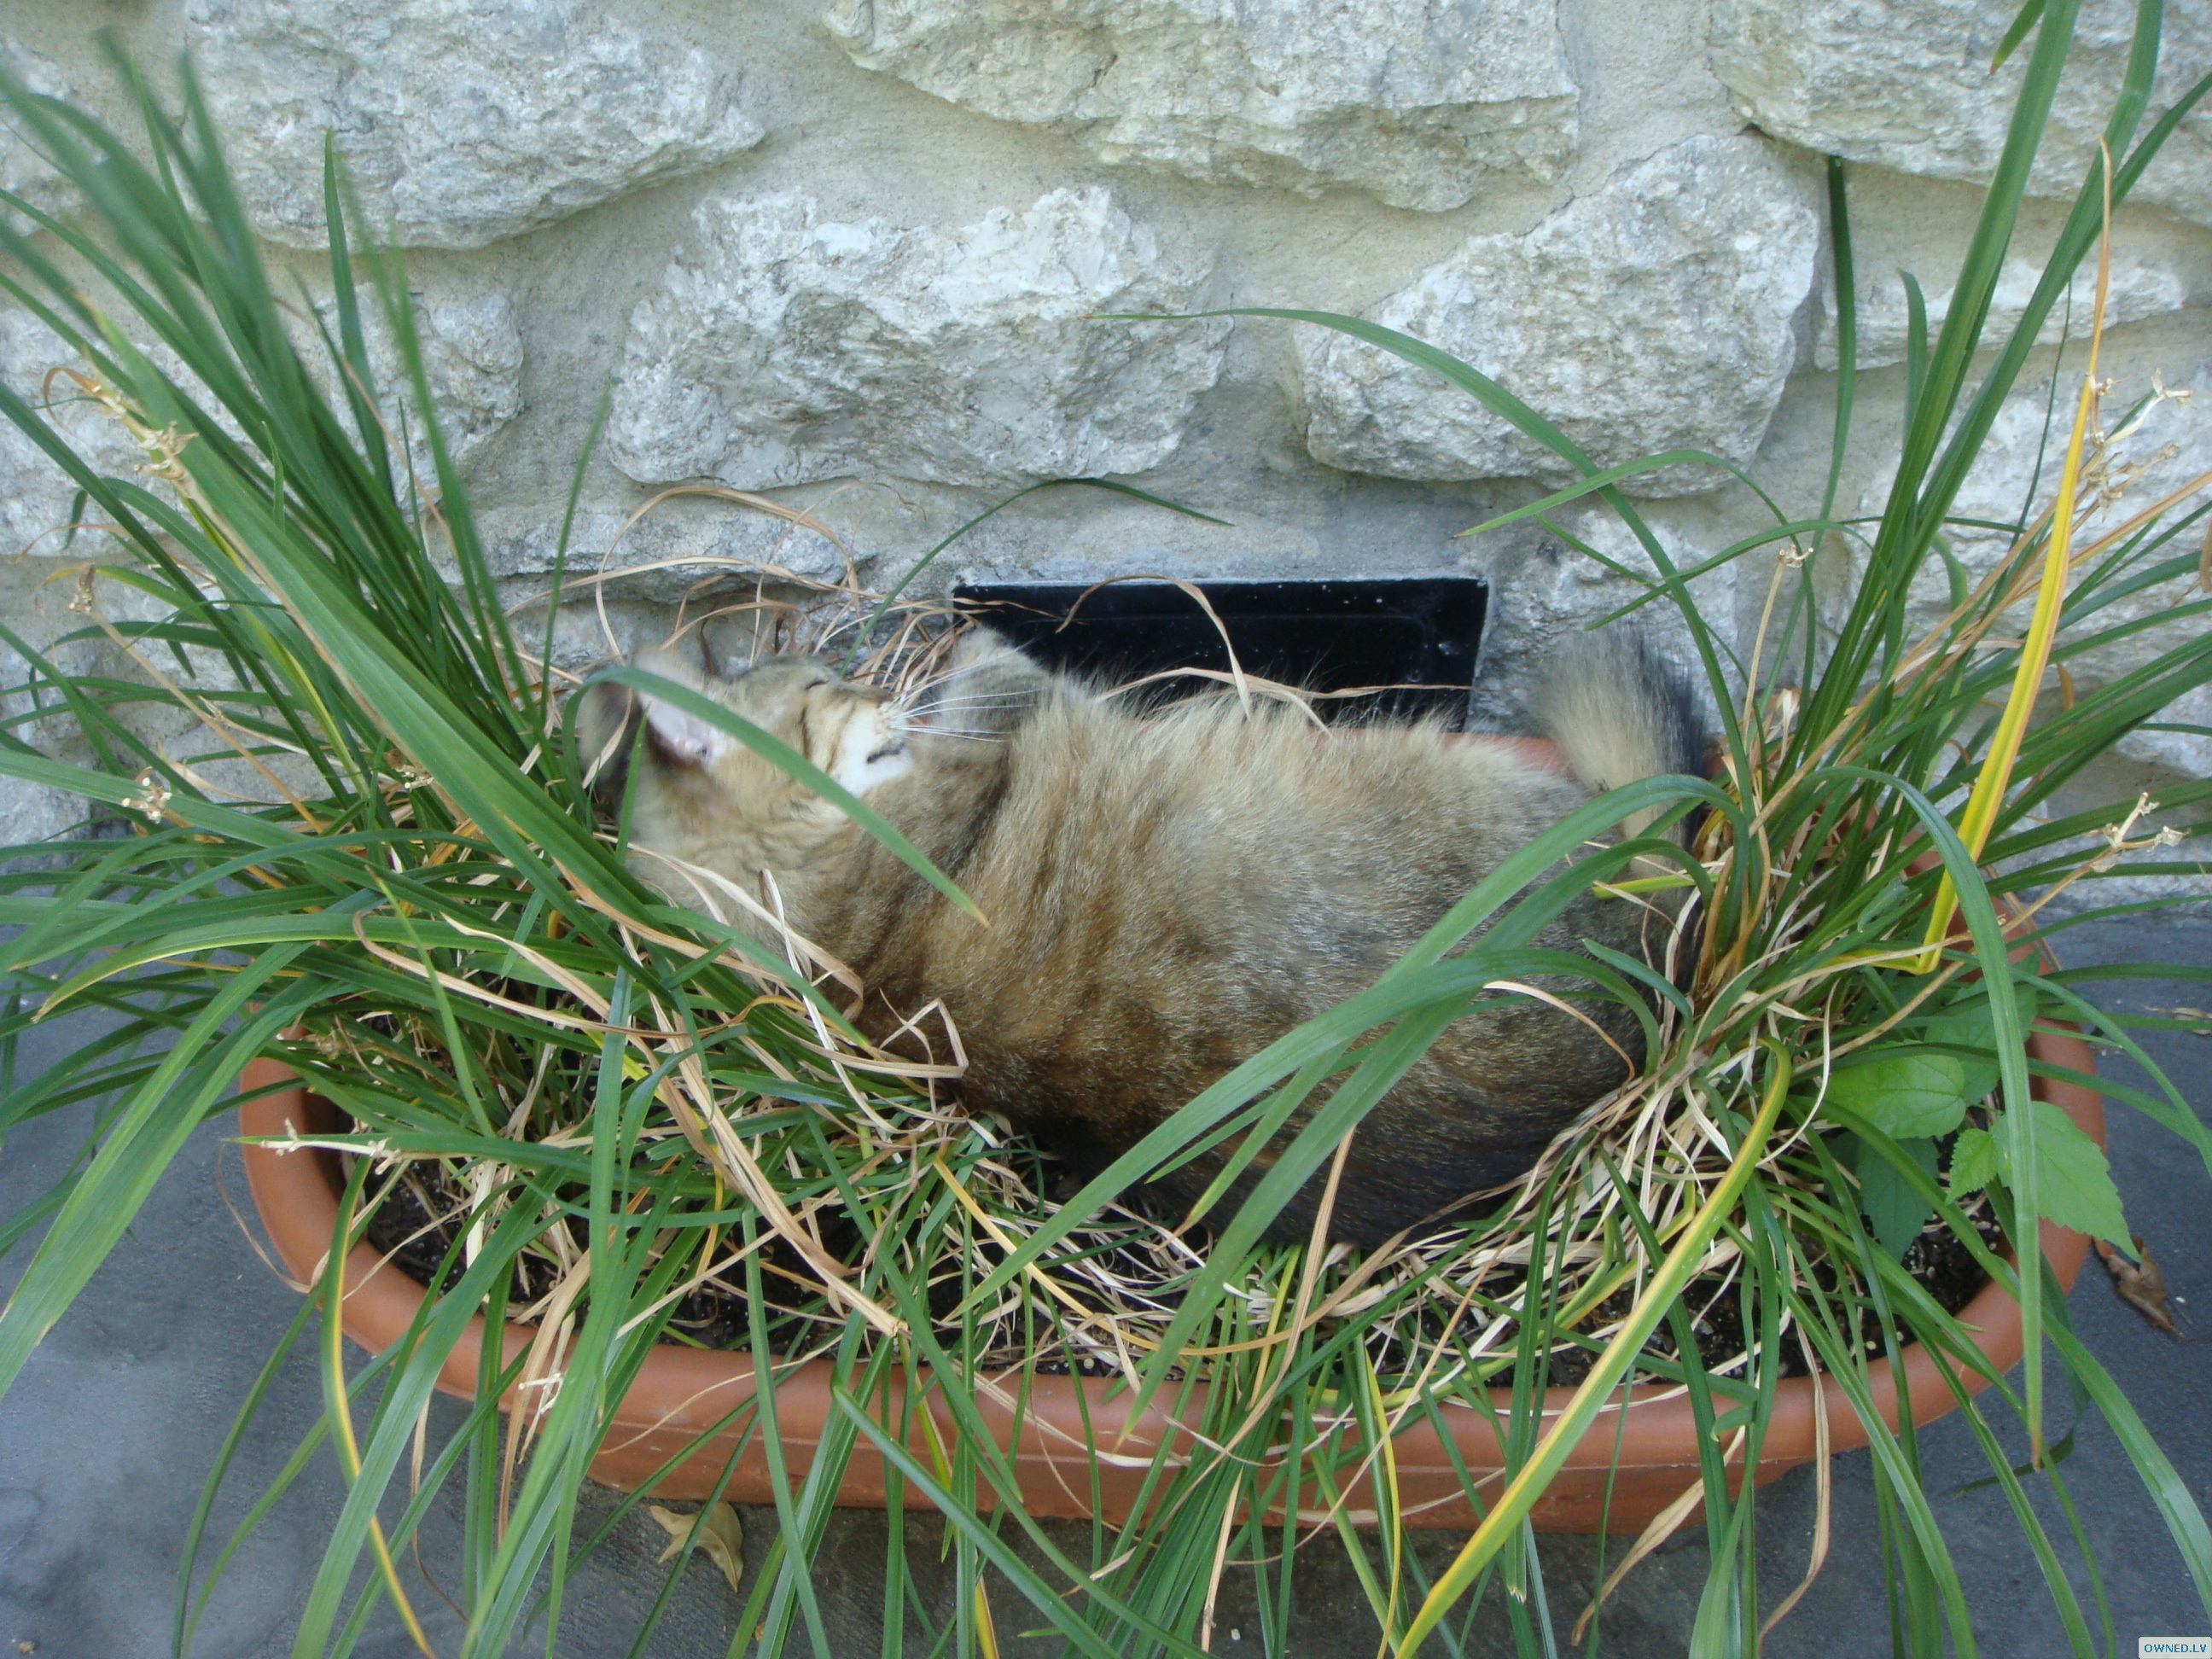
(682, 736)
(982, 640)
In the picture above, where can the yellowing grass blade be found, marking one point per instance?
(1675, 1273)
(2042, 628)
(986, 1633)
(339, 1406)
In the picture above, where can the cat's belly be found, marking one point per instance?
(1148, 935)
(1092, 1074)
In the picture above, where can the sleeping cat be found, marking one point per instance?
(1168, 892)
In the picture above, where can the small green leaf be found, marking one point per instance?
(2074, 1184)
(1965, 1024)
(1973, 1163)
(1894, 1208)
(1904, 1092)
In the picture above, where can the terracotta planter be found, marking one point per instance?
(680, 1392)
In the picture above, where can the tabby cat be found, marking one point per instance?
(1167, 891)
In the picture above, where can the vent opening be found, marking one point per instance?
(1418, 634)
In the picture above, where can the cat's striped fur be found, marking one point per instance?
(1167, 892)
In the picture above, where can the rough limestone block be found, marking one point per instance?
(2140, 287)
(1418, 100)
(1655, 313)
(1558, 589)
(783, 349)
(1905, 84)
(23, 171)
(2018, 468)
(666, 556)
(33, 812)
(473, 356)
(462, 120)
(35, 494)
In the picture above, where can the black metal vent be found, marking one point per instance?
(1420, 633)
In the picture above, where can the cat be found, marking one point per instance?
(1167, 891)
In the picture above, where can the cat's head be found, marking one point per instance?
(687, 768)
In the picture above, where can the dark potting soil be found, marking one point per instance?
(404, 1228)
(711, 1315)
(1945, 1268)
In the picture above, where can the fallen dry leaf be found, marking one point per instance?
(2143, 1287)
(722, 1536)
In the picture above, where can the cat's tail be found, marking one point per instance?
(1619, 711)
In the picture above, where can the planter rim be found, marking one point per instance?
(682, 1393)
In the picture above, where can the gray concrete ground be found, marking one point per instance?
(106, 1441)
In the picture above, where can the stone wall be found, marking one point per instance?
(849, 254)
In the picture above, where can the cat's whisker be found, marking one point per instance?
(907, 727)
(980, 699)
(970, 707)
(916, 692)
(945, 670)
(948, 672)
(936, 721)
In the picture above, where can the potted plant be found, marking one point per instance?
(376, 869)
(683, 1429)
